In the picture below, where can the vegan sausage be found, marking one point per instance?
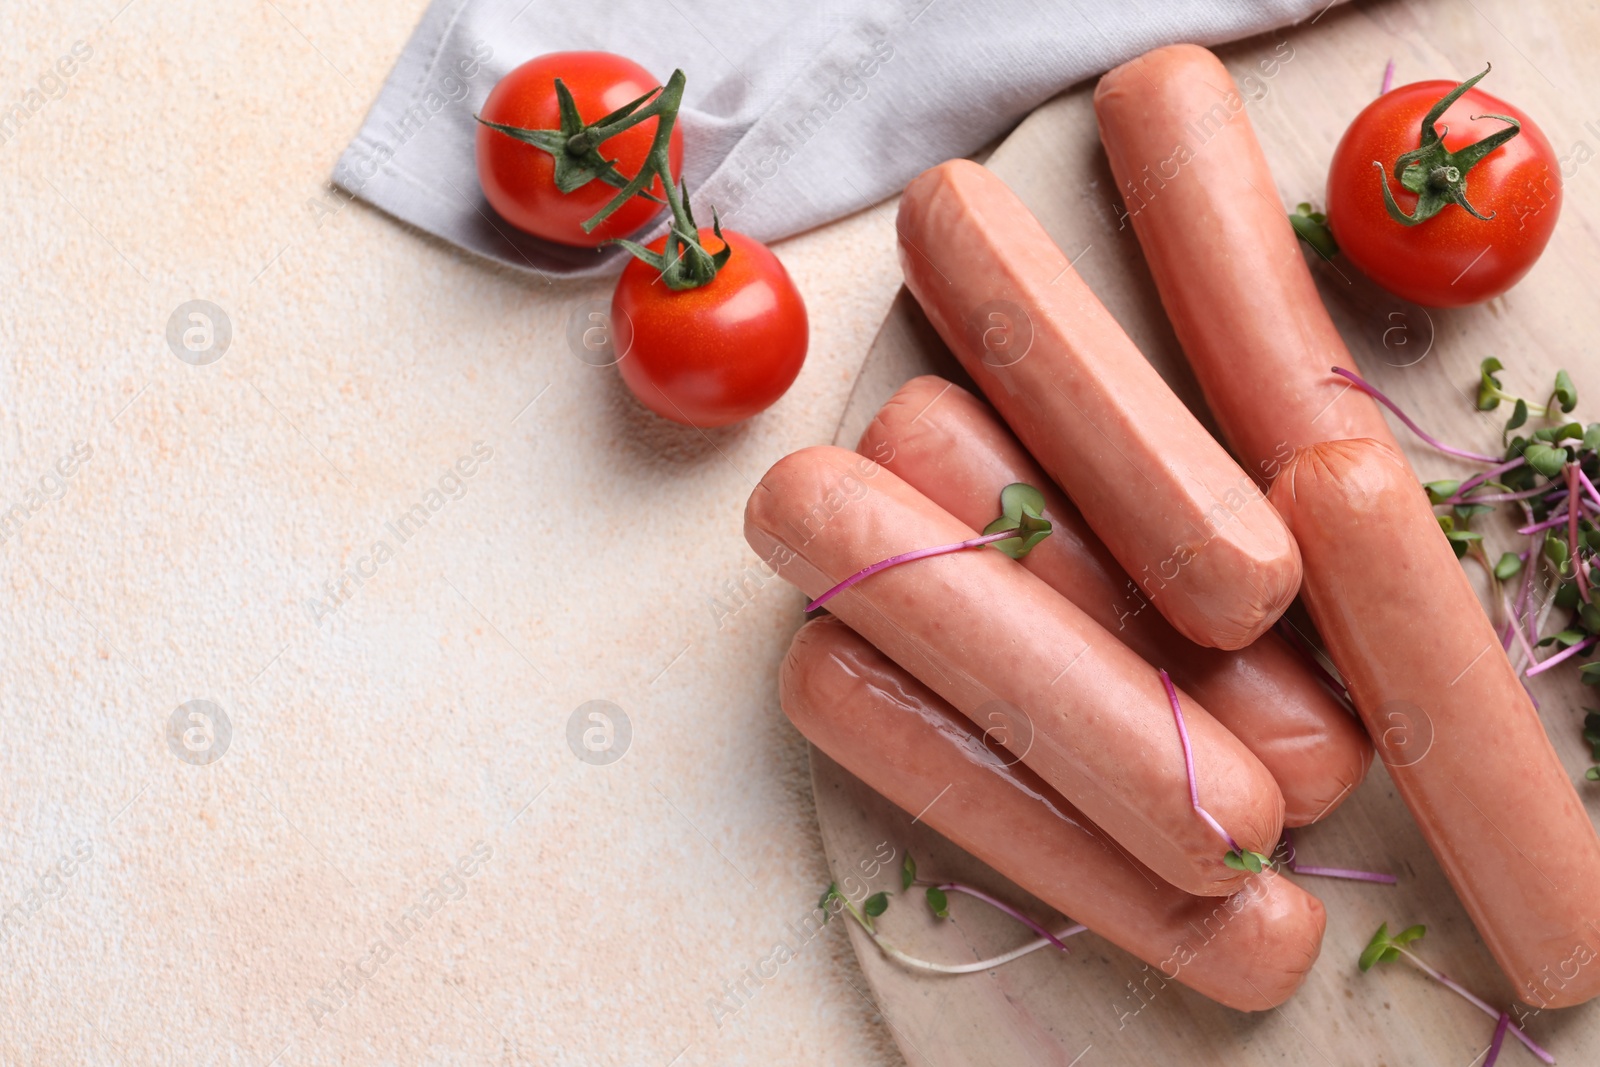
(1452, 722)
(1175, 510)
(1249, 951)
(1088, 714)
(1225, 259)
(948, 445)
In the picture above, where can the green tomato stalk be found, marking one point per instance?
(1437, 175)
(683, 263)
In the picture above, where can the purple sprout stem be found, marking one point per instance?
(1473, 999)
(1188, 764)
(1000, 905)
(1594, 494)
(1346, 873)
(907, 557)
(1550, 523)
(1377, 394)
(1388, 77)
(1574, 505)
(1478, 479)
(1501, 498)
(1500, 1029)
(1565, 654)
(1294, 865)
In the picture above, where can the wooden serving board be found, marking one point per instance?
(1100, 1006)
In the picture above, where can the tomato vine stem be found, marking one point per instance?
(1435, 174)
(683, 262)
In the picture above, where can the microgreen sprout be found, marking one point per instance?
(1547, 473)
(938, 901)
(1387, 948)
(1021, 526)
(1312, 228)
(1237, 857)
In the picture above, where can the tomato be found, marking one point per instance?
(519, 179)
(1451, 259)
(718, 353)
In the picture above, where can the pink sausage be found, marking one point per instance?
(1225, 259)
(1177, 513)
(1249, 951)
(950, 446)
(1461, 739)
(1091, 717)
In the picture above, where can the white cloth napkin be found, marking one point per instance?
(796, 111)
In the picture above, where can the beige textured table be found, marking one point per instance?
(213, 908)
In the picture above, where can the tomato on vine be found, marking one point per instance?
(1443, 194)
(707, 337)
(546, 171)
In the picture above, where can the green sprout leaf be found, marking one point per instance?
(1254, 862)
(1410, 934)
(1439, 492)
(938, 903)
(1508, 565)
(1461, 541)
(876, 905)
(1589, 673)
(1021, 509)
(908, 872)
(827, 895)
(1556, 434)
(1375, 949)
(1386, 949)
(1019, 498)
(1555, 550)
(1591, 437)
(1312, 228)
(1593, 774)
(1566, 638)
(1489, 393)
(1519, 415)
(1589, 615)
(1566, 593)
(1546, 459)
(1565, 393)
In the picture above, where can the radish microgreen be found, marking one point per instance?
(938, 901)
(1388, 948)
(1547, 473)
(1019, 528)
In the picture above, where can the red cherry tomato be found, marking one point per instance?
(1451, 259)
(717, 353)
(519, 179)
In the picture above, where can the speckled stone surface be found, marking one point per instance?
(388, 852)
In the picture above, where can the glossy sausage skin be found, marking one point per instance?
(1249, 951)
(1225, 259)
(1461, 739)
(948, 445)
(1179, 515)
(1088, 715)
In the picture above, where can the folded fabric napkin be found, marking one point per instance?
(796, 111)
